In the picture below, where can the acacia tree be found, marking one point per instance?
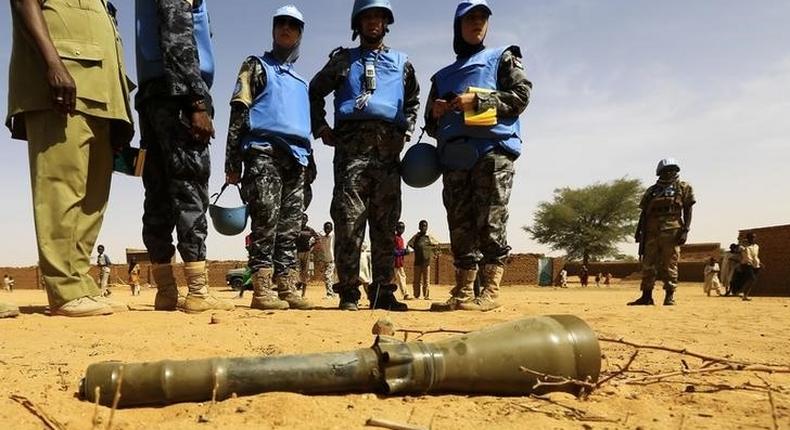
(587, 223)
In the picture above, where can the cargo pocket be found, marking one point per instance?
(84, 60)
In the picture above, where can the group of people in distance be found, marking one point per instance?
(738, 271)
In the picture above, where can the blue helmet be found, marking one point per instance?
(227, 221)
(420, 166)
(465, 6)
(362, 5)
(289, 11)
(667, 163)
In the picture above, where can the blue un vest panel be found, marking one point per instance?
(386, 101)
(481, 71)
(283, 108)
(149, 52)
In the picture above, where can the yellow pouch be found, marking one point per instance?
(486, 118)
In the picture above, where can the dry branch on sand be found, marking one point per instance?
(421, 333)
(50, 422)
(711, 364)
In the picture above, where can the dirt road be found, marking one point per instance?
(43, 358)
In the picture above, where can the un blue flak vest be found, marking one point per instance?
(149, 51)
(280, 114)
(479, 70)
(386, 103)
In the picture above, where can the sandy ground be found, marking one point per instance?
(43, 358)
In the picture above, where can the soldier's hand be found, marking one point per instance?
(62, 88)
(232, 178)
(465, 102)
(328, 136)
(202, 126)
(440, 107)
(683, 237)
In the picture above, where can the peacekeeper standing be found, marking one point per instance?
(68, 97)
(175, 69)
(270, 133)
(376, 104)
(477, 158)
(663, 226)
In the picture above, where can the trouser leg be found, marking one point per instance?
(176, 181)
(262, 187)
(383, 213)
(289, 222)
(349, 213)
(417, 282)
(426, 282)
(70, 168)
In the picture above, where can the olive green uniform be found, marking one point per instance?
(70, 155)
(662, 208)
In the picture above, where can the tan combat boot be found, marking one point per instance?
(462, 294)
(167, 297)
(286, 289)
(492, 277)
(264, 297)
(199, 299)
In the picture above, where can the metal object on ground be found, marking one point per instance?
(488, 361)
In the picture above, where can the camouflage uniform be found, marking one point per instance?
(309, 177)
(177, 165)
(367, 179)
(476, 199)
(662, 209)
(273, 184)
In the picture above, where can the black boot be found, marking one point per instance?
(645, 300)
(349, 297)
(383, 297)
(669, 297)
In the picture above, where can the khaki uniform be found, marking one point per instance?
(663, 211)
(70, 155)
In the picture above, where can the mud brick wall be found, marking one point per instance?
(522, 269)
(774, 277)
(24, 277)
(618, 269)
(688, 271)
(700, 251)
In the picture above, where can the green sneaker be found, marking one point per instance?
(83, 307)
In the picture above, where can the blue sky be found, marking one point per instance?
(618, 84)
